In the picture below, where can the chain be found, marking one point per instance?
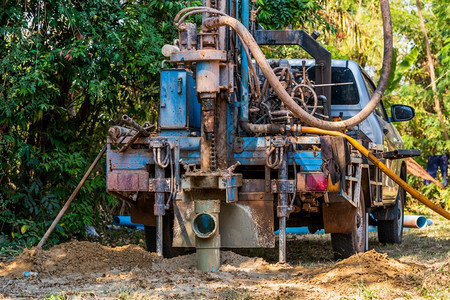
(212, 158)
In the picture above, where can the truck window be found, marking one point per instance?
(379, 109)
(341, 94)
(370, 86)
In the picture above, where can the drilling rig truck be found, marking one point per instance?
(246, 145)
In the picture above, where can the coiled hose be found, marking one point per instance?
(300, 113)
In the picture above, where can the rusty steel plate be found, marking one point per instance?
(127, 181)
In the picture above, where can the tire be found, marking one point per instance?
(150, 238)
(345, 245)
(391, 231)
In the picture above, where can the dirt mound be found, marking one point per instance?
(170, 265)
(230, 261)
(77, 258)
(235, 262)
(105, 272)
(369, 267)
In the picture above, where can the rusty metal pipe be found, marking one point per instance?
(116, 132)
(159, 208)
(74, 194)
(159, 235)
(287, 99)
(135, 125)
(122, 197)
(382, 167)
(199, 9)
(261, 128)
(282, 209)
(130, 142)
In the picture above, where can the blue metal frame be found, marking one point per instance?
(244, 64)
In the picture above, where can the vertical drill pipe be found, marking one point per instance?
(159, 209)
(206, 3)
(74, 194)
(222, 6)
(282, 210)
(244, 64)
(159, 235)
(205, 155)
(221, 133)
(207, 131)
(207, 243)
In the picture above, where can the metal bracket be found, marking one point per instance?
(278, 141)
(231, 182)
(282, 186)
(397, 154)
(157, 185)
(238, 145)
(176, 163)
(158, 142)
(352, 195)
(283, 211)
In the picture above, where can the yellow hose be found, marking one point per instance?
(382, 167)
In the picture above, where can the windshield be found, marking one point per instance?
(340, 94)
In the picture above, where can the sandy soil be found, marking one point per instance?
(85, 270)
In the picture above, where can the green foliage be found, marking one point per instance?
(397, 72)
(67, 68)
(411, 83)
(295, 14)
(278, 14)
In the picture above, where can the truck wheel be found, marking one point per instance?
(150, 238)
(391, 231)
(345, 245)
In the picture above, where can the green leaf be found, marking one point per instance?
(398, 71)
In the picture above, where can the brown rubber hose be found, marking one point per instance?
(260, 59)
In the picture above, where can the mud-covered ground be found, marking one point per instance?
(419, 268)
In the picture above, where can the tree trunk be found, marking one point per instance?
(437, 104)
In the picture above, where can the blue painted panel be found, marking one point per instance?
(259, 158)
(139, 160)
(194, 105)
(308, 161)
(179, 107)
(244, 64)
(186, 143)
(130, 160)
(254, 154)
(173, 112)
(190, 157)
(175, 133)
